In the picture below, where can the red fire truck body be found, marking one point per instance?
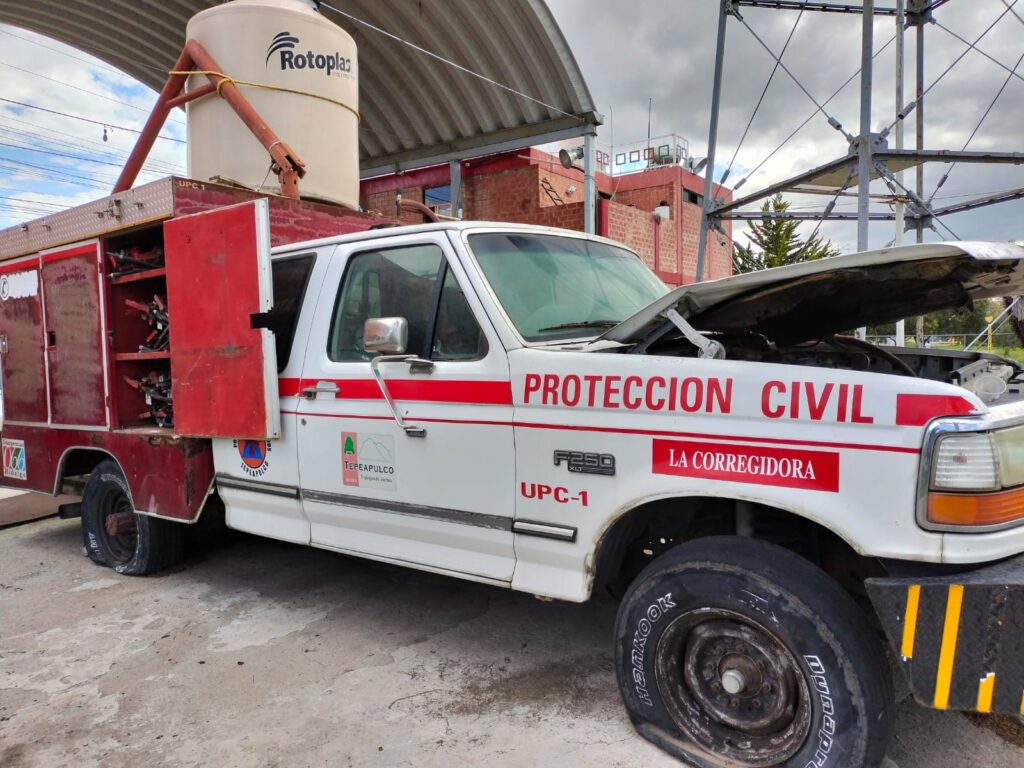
(75, 273)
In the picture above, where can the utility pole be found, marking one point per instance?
(865, 138)
(709, 171)
(900, 22)
(919, 123)
(589, 183)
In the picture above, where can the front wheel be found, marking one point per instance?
(116, 535)
(736, 652)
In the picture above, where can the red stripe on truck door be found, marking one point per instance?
(467, 392)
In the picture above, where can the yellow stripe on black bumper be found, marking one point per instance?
(986, 687)
(910, 621)
(958, 636)
(947, 651)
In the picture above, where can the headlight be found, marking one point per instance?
(978, 479)
(965, 462)
(1010, 453)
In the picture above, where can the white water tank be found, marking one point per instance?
(285, 44)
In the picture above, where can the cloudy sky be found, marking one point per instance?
(49, 161)
(630, 52)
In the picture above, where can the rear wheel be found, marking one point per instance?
(736, 652)
(118, 537)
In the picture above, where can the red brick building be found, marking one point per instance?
(532, 187)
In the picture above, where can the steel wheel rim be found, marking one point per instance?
(733, 687)
(120, 546)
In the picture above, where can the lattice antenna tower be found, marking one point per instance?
(869, 157)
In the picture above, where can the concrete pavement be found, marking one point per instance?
(255, 653)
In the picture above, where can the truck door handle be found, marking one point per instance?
(419, 365)
(414, 363)
(325, 387)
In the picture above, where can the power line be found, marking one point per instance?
(78, 88)
(86, 119)
(760, 100)
(61, 154)
(1010, 8)
(977, 127)
(20, 166)
(449, 62)
(972, 46)
(35, 210)
(77, 143)
(814, 114)
(828, 209)
(34, 202)
(62, 53)
(778, 60)
(957, 60)
(24, 212)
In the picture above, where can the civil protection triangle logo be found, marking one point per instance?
(255, 456)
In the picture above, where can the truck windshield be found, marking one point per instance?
(554, 287)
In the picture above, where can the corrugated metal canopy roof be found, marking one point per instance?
(416, 110)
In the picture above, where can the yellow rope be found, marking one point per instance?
(228, 79)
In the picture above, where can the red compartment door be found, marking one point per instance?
(74, 335)
(223, 370)
(23, 374)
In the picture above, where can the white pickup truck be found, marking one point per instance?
(531, 408)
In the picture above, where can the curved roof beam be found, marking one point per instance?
(417, 110)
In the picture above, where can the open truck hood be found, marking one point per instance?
(815, 299)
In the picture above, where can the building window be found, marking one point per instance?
(692, 197)
(439, 199)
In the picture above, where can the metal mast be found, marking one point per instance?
(709, 171)
(868, 156)
(865, 139)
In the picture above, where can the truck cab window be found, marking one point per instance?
(290, 276)
(457, 335)
(393, 282)
(554, 287)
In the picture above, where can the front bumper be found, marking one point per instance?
(959, 637)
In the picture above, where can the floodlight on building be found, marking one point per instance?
(568, 156)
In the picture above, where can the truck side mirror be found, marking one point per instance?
(386, 335)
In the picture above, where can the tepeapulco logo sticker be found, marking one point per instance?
(255, 456)
(368, 461)
(284, 45)
(787, 467)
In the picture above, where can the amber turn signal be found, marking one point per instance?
(976, 509)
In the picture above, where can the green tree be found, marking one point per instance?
(775, 242)
(969, 321)
(955, 324)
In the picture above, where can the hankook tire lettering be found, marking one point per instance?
(827, 731)
(644, 626)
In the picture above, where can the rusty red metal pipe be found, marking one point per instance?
(287, 164)
(414, 205)
(156, 120)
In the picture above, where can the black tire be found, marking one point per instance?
(141, 544)
(810, 683)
